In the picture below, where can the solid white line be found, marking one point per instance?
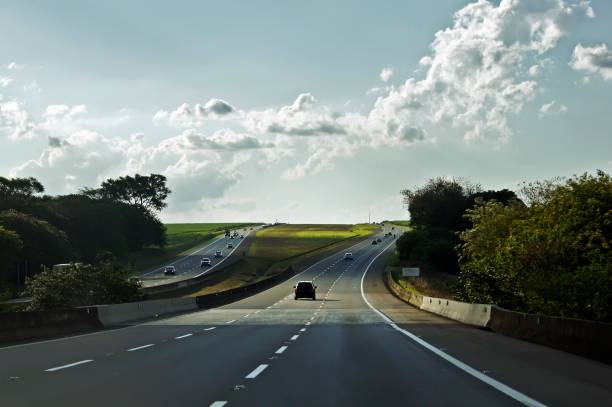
(53, 369)
(509, 391)
(141, 347)
(209, 329)
(280, 350)
(231, 322)
(183, 336)
(294, 337)
(218, 404)
(256, 372)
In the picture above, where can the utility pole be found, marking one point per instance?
(369, 216)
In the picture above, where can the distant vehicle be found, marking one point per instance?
(232, 236)
(348, 256)
(205, 262)
(227, 233)
(374, 241)
(230, 246)
(218, 253)
(242, 236)
(379, 240)
(169, 270)
(305, 289)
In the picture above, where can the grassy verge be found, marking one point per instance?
(181, 238)
(430, 283)
(275, 249)
(404, 223)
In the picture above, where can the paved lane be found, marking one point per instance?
(189, 266)
(272, 350)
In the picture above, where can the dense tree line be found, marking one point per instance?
(437, 216)
(40, 230)
(549, 254)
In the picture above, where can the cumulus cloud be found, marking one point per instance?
(15, 121)
(186, 115)
(14, 66)
(474, 77)
(322, 152)
(32, 87)
(552, 108)
(297, 119)
(386, 74)
(594, 60)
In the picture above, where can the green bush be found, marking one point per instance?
(552, 257)
(75, 286)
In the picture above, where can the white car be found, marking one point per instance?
(205, 262)
(169, 270)
(218, 253)
(348, 256)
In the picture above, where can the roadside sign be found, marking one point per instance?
(410, 272)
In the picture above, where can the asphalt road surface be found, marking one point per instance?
(188, 266)
(355, 345)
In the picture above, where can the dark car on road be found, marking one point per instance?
(169, 271)
(305, 289)
(205, 262)
(374, 241)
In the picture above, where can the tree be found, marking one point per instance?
(145, 192)
(19, 187)
(552, 257)
(10, 248)
(440, 203)
(42, 242)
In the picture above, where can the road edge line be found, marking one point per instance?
(499, 386)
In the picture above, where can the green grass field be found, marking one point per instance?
(180, 238)
(278, 247)
(405, 223)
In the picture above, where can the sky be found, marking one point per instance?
(300, 111)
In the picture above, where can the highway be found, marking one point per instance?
(188, 266)
(356, 345)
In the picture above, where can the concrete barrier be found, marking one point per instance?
(467, 313)
(591, 339)
(20, 326)
(117, 314)
(403, 294)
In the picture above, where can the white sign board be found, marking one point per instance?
(410, 272)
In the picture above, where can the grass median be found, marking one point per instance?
(276, 248)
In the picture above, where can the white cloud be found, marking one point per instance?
(475, 77)
(187, 116)
(322, 153)
(297, 119)
(32, 87)
(14, 66)
(552, 108)
(386, 74)
(5, 81)
(15, 121)
(595, 60)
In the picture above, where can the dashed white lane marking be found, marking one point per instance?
(258, 311)
(308, 323)
(209, 329)
(218, 404)
(231, 322)
(244, 316)
(294, 337)
(507, 390)
(256, 372)
(141, 347)
(281, 350)
(183, 336)
(303, 330)
(81, 362)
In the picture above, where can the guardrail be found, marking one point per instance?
(591, 339)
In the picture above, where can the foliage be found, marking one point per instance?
(146, 192)
(434, 247)
(10, 247)
(19, 187)
(43, 243)
(75, 286)
(552, 257)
